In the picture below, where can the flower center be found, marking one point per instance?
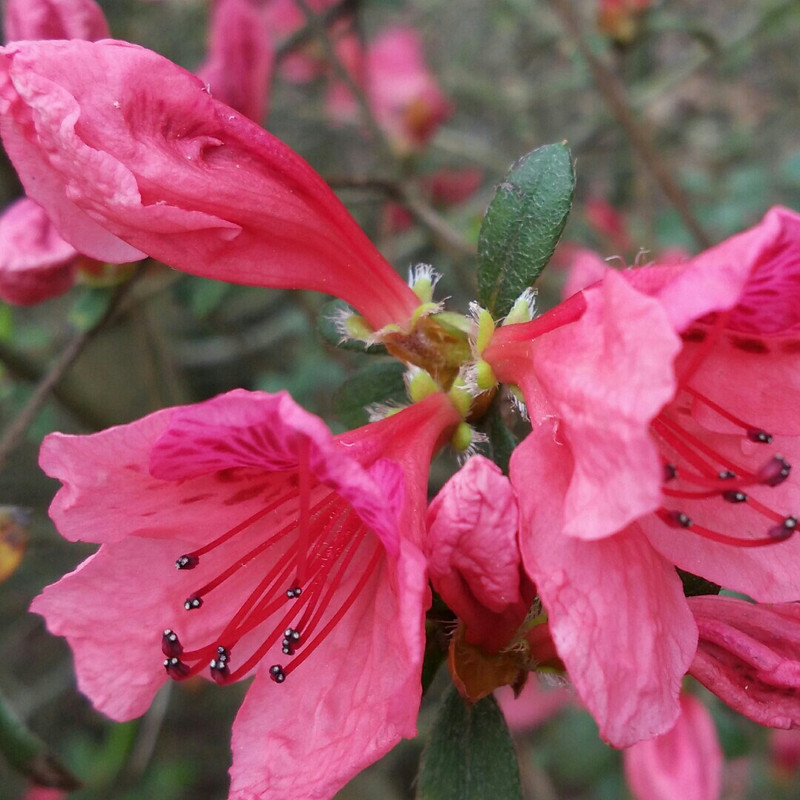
(736, 469)
(301, 578)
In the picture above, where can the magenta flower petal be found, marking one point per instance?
(130, 155)
(684, 762)
(473, 555)
(35, 262)
(54, 19)
(616, 610)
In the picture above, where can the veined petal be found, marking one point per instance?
(606, 376)
(616, 609)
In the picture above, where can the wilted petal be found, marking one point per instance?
(473, 555)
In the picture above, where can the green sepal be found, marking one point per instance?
(523, 224)
(377, 383)
(90, 306)
(329, 332)
(470, 754)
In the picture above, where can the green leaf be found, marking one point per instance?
(90, 306)
(501, 438)
(378, 383)
(523, 224)
(470, 755)
(329, 331)
(28, 754)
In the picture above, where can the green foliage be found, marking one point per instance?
(378, 383)
(523, 224)
(470, 755)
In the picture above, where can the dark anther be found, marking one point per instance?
(188, 561)
(678, 519)
(223, 655)
(175, 668)
(219, 670)
(775, 471)
(192, 603)
(759, 436)
(734, 496)
(784, 530)
(277, 674)
(290, 638)
(296, 591)
(726, 475)
(670, 473)
(170, 644)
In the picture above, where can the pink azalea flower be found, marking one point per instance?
(158, 166)
(54, 19)
(238, 69)
(749, 656)
(663, 403)
(684, 762)
(402, 92)
(297, 563)
(35, 262)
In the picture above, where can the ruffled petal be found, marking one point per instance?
(473, 555)
(606, 377)
(616, 609)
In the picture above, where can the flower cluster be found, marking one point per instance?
(663, 409)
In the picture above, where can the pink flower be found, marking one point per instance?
(54, 19)
(35, 262)
(297, 564)
(664, 408)
(749, 656)
(238, 69)
(157, 166)
(684, 762)
(402, 92)
(45, 793)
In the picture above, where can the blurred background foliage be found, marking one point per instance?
(713, 83)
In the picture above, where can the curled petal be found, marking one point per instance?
(130, 155)
(749, 656)
(473, 555)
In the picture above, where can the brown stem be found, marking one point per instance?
(15, 432)
(613, 92)
(423, 212)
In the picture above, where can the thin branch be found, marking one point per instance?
(422, 211)
(16, 431)
(613, 92)
(306, 35)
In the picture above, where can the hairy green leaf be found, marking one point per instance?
(523, 224)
